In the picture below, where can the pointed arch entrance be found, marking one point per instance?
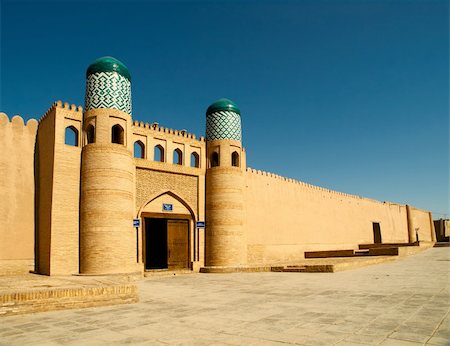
(167, 232)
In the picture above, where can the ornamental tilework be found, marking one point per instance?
(108, 90)
(223, 125)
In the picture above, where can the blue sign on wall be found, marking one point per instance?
(167, 207)
(136, 222)
(200, 224)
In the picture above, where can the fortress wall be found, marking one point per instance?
(17, 142)
(57, 191)
(66, 193)
(286, 217)
(45, 149)
(421, 220)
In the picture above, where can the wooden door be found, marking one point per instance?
(178, 244)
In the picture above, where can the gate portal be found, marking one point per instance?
(166, 243)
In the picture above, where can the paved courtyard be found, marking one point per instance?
(406, 302)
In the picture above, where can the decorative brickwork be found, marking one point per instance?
(149, 183)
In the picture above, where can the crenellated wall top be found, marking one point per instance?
(313, 187)
(155, 128)
(62, 105)
(18, 122)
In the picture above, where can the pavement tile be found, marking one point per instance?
(365, 339)
(324, 339)
(132, 340)
(417, 329)
(423, 323)
(343, 328)
(444, 327)
(375, 331)
(442, 334)
(438, 341)
(268, 343)
(396, 342)
(410, 336)
(228, 339)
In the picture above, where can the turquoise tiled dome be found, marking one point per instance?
(223, 121)
(223, 104)
(108, 85)
(108, 64)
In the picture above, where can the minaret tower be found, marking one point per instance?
(225, 234)
(107, 238)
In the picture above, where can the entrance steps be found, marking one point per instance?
(442, 244)
(166, 272)
(332, 265)
(386, 251)
(386, 245)
(307, 268)
(377, 249)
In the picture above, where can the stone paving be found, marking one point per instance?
(406, 302)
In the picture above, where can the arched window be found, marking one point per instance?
(117, 134)
(235, 159)
(139, 150)
(195, 160)
(71, 136)
(177, 157)
(214, 159)
(90, 134)
(159, 153)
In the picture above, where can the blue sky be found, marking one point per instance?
(348, 95)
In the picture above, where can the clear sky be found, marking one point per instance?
(348, 95)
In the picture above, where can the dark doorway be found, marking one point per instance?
(376, 233)
(155, 243)
(166, 244)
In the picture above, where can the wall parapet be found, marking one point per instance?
(17, 144)
(59, 104)
(17, 121)
(314, 187)
(154, 127)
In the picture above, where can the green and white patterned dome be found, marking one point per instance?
(223, 120)
(108, 85)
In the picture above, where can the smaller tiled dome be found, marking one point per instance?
(223, 104)
(108, 64)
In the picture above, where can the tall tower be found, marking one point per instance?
(107, 238)
(225, 235)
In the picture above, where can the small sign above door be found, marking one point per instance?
(167, 207)
(136, 222)
(200, 224)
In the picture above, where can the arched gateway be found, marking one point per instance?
(167, 232)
